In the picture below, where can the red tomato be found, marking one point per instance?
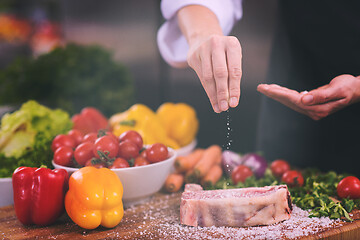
(62, 140)
(240, 174)
(128, 150)
(141, 161)
(120, 163)
(279, 167)
(90, 137)
(349, 187)
(157, 152)
(143, 154)
(293, 178)
(110, 134)
(63, 156)
(107, 145)
(84, 152)
(132, 136)
(97, 165)
(76, 135)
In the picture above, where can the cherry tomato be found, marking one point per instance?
(63, 156)
(132, 136)
(97, 165)
(293, 178)
(107, 145)
(84, 152)
(110, 134)
(349, 187)
(90, 137)
(76, 135)
(120, 163)
(240, 174)
(128, 150)
(141, 161)
(62, 140)
(143, 153)
(157, 152)
(279, 167)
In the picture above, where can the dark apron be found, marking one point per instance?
(315, 42)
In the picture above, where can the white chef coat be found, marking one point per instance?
(172, 43)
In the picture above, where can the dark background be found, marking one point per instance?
(128, 29)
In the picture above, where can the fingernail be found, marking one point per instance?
(307, 99)
(216, 108)
(264, 86)
(233, 102)
(224, 105)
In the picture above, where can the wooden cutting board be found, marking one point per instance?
(156, 219)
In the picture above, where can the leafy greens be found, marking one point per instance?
(26, 136)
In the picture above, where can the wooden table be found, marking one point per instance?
(156, 219)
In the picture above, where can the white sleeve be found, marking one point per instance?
(172, 44)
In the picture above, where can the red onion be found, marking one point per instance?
(256, 163)
(229, 161)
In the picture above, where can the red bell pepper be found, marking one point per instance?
(90, 120)
(39, 194)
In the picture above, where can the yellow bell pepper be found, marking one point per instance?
(94, 198)
(142, 119)
(180, 122)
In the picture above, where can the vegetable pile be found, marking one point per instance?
(26, 136)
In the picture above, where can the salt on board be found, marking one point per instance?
(168, 225)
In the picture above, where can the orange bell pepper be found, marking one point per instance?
(95, 198)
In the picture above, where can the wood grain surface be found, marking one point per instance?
(156, 219)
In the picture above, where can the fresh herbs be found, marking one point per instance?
(318, 195)
(69, 78)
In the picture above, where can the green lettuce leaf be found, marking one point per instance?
(26, 136)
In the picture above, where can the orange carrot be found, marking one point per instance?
(185, 163)
(174, 182)
(209, 158)
(213, 175)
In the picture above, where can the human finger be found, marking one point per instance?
(233, 57)
(322, 95)
(220, 72)
(205, 73)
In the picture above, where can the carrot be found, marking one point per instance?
(210, 157)
(174, 182)
(211, 178)
(185, 163)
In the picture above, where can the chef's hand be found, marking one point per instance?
(217, 62)
(342, 91)
(215, 58)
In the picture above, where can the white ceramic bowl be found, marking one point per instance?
(186, 149)
(141, 182)
(6, 192)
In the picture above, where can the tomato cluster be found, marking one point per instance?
(104, 149)
(281, 169)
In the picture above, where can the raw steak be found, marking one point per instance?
(234, 207)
